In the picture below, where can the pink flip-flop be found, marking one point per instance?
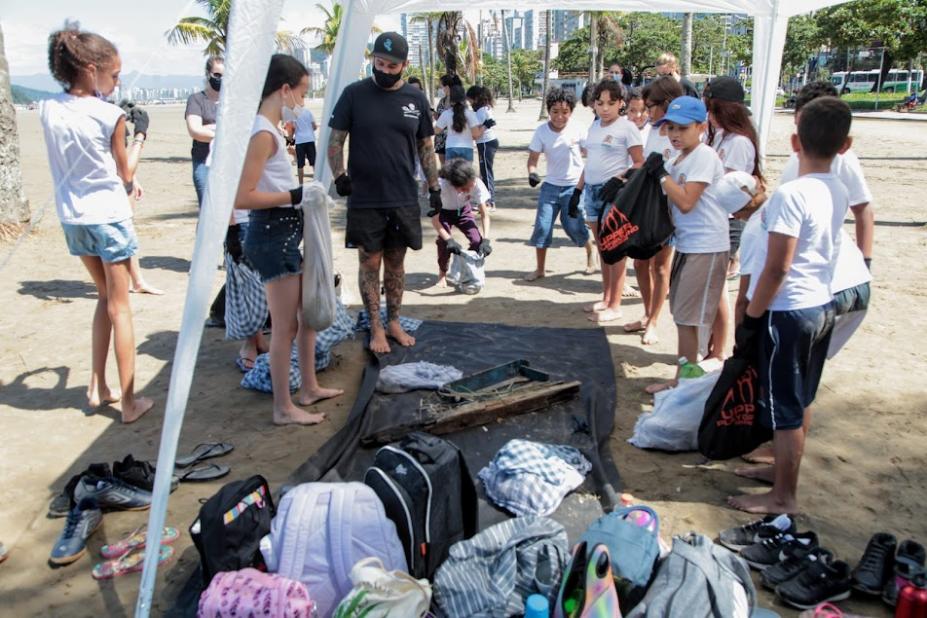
(136, 540)
(130, 563)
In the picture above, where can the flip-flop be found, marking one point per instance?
(136, 540)
(206, 472)
(629, 328)
(130, 563)
(206, 450)
(244, 364)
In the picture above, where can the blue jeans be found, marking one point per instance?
(272, 242)
(458, 153)
(111, 242)
(591, 202)
(200, 174)
(551, 201)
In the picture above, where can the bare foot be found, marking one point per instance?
(102, 396)
(146, 288)
(649, 337)
(591, 265)
(595, 307)
(605, 316)
(442, 282)
(635, 327)
(762, 504)
(378, 343)
(629, 292)
(132, 413)
(402, 337)
(761, 455)
(295, 416)
(538, 274)
(307, 396)
(653, 389)
(765, 474)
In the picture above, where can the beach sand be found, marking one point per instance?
(864, 466)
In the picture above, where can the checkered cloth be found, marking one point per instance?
(245, 300)
(530, 478)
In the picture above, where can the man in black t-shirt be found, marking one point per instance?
(390, 128)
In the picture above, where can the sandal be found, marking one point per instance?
(244, 364)
(130, 563)
(136, 540)
(207, 472)
(206, 450)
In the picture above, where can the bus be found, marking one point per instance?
(897, 80)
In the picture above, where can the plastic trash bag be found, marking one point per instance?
(467, 273)
(673, 424)
(319, 303)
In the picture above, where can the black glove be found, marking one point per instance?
(533, 179)
(868, 262)
(296, 196)
(139, 118)
(654, 165)
(233, 244)
(610, 189)
(343, 185)
(434, 201)
(574, 203)
(453, 246)
(747, 335)
(489, 123)
(485, 247)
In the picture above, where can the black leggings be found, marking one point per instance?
(487, 154)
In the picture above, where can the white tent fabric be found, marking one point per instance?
(250, 44)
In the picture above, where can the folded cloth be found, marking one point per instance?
(530, 478)
(416, 376)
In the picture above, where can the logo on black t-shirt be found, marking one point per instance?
(410, 111)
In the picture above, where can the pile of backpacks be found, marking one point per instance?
(406, 542)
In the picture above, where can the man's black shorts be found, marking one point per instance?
(305, 151)
(376, 229)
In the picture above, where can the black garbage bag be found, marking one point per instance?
(638, 224)
(731, 426)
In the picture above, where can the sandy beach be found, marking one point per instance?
(865, 465)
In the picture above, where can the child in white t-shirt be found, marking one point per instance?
(461, 125)
(304, 135)
(613, 146)
(787, 323)
(701, 236)
(461, 193)
(93, 172)
(482, 102)
(559, 140)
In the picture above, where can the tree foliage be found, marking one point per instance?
(898, 25)
(213, 30)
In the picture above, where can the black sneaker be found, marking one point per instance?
(797, 559)
(737, 538)
(83, 520)
(139, 474)
(112, 493)
(819, 583)
(875, 567)
(909, 561)
(769, 551)
(62, 504)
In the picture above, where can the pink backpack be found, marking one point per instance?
(249, 593)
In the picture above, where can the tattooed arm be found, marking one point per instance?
(426, 153)
(336, 152)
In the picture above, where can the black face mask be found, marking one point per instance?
(386, 80)
(215, 83)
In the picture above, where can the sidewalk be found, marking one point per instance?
(876, 115)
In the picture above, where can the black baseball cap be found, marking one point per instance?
(392, 46)
(725, 88)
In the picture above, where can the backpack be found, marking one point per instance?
(638, 223)
(320, 532)
(428, 492)
(228, 531)
(252, 593)
(730, 424)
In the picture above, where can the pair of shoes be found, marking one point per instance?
(739, 537)
(796, 559)
(62, 504)
(771, 550)
(83, 520)
(136, 540)
(875, 567)
(112, 494)
(822, 581)
(908, 565)
(132, 562)
(140, 474)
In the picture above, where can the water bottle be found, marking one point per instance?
(536, 606)
(689, 370)
(912, 600)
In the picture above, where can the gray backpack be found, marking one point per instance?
(696, 580)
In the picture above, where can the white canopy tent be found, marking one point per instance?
(250, 44)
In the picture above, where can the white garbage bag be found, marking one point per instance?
(319, 304)
(467, 273)
(677, 412)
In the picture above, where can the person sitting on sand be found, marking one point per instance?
(461, 192)
(273, 238)
(93, 174)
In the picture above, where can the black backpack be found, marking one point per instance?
(427, 491)
(639, 223)
(228, 531)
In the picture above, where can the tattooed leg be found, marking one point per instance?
(369, 283)
(394, 282)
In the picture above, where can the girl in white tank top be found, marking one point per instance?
(268, 190)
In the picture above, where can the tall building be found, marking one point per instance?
(416, 34)
(565, 23)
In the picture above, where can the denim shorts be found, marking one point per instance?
(591, 202)
(111, 242)
(551, 201)
(272, 242)
(458, 153)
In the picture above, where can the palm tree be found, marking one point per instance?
(547, 28)
(14, 208)
(329, 30)
(604, 28)
(429, 19)
(508, 60)
(685, 63)
(213, 30)
(458, 59)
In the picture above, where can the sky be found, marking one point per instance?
(136, 28)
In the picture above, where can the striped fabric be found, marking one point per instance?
(490, 575)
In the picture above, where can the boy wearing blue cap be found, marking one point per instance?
(702, 242)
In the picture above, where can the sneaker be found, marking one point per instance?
(140, 474)
(909, 561)
(769, 551)
(739, 537)
(112, 493)
(83, 520)
(62, 504)
(819, 583)
(797, 559)
(875, 567)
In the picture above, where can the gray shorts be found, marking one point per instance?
(696, 285)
